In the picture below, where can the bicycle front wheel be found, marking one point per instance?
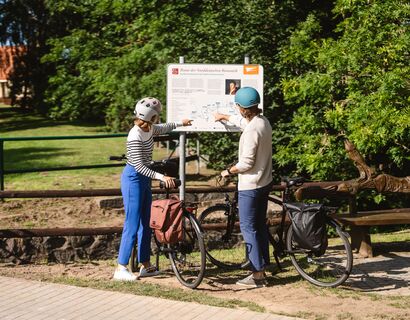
(223, 239)
(134, 258)
(134, 263)
(188, 256)
(328, 270)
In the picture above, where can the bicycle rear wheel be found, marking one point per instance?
(223, 239)
(188, 256)
(330, 269)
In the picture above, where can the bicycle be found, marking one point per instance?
(187, 257)
(220, 225)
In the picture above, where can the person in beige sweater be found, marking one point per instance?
(254, 169)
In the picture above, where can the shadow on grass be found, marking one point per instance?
(15, 119)
(27, 124)
(21, 158)
(7, 112)
(380, 248)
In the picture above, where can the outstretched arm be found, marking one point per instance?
(163, 128)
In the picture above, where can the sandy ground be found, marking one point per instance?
(377, 289)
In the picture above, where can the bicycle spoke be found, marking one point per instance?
(225, 247)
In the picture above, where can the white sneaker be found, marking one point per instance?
(148, 272)
(122, 274)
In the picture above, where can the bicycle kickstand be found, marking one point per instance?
(157, 260)
(277, 261)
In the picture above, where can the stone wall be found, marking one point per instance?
(62, 249)
(59, 249)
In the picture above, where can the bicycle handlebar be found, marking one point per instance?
(177, 183)
(293, 182)
(118, 158)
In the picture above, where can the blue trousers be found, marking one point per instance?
(137, 197)
(252, 217)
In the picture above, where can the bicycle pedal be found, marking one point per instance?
(281, 255)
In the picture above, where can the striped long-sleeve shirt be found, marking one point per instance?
(140, 145)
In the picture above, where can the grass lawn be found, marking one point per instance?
(58, 153)
(392, 236)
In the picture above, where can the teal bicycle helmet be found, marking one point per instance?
(247, 97)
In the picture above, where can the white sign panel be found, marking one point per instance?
(197, 91)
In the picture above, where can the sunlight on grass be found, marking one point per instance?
(398, 236)
(402, 302)
(236, 255)
(101, 178)
(59, 153)
(106, 178)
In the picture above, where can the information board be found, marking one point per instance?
(197, 91)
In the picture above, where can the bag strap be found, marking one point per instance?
(174, 197)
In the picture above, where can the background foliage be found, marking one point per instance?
(332, 69)
(354, 84)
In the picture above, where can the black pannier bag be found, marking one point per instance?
(309, 226)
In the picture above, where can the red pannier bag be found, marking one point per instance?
(166, 220)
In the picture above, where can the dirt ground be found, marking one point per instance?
(58, 213)
(377, 289)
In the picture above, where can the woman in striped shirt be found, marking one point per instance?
(136, 187)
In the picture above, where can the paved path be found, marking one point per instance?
(387, 273)
(23, 299)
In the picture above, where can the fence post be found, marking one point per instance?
(246, 59)
(1, 165)
(352, 204)
(198, 161)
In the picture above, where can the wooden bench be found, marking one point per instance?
(361, 222)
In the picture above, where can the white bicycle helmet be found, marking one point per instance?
(148, 109)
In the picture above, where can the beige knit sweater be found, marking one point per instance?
(255, 152)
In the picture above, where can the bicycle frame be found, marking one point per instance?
(276, 239)
(334, 265)
(232, 215)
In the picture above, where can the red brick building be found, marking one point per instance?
(6, 68)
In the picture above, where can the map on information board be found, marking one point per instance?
(197, 91)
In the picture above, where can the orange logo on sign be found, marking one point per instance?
(250, 69)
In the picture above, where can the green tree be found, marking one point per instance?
(332, 69)
(222, 34)
(29, 25)
(355, 84)
(87, 60)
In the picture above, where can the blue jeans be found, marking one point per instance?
(252, 217)
(137, 197)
